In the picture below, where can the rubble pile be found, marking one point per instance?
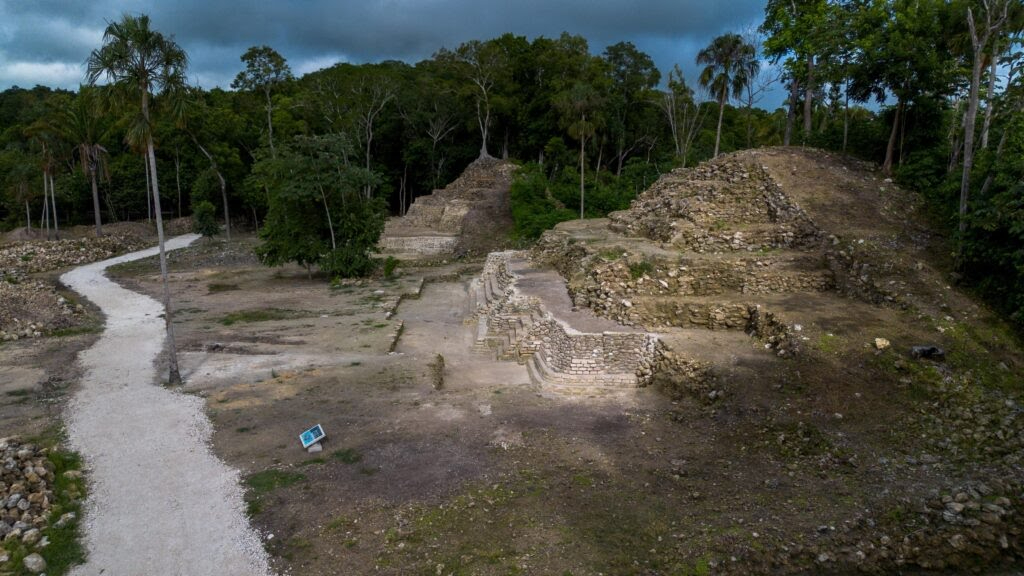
(21, 258)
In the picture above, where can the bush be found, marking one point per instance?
(204, 220)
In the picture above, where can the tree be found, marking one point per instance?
(141, 63)
(317, 214)
(482, 64)
(795, 28)
(632, 76)
(264, 70)
(579, 104)
(684, 115)
(730, 63)
(82, 126)
(984, 30)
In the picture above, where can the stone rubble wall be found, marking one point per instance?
(424, 245)
(560, 356)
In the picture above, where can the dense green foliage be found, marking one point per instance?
(204, 218)
(886, 80)
(319, 214)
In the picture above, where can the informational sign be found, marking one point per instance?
(312, 436)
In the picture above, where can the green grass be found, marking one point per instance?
(77, 330)
(262, 483)
(19, 393)
(216, 287)
(258, 315)
(347, 455)
(639, 269)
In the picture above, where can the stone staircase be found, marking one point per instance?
(468, 214)
(519, 317)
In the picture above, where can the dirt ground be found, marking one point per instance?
(804, 463)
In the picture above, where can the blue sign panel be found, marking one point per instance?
(312, 436)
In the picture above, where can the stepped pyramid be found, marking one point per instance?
(470, 214)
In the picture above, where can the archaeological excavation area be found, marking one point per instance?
(718, 380)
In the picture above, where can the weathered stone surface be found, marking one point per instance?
(469, 215)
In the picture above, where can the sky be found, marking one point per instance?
(47, 41)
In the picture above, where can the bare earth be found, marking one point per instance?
(160, 502)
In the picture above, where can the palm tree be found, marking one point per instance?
(81, 126)
(730, 64)
(139, 63)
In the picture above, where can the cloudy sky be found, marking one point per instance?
(47, 41)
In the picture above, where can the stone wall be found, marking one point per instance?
(518, 327)
(424, 245)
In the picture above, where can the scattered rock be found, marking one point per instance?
(928, 352)
(881, 344)
(34, 563)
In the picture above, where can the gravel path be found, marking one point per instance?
(160, 502)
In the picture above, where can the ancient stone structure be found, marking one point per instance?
(471, 214)
(520, 317)
(753, 243)
(705, 247)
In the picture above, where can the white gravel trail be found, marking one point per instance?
(160, 502)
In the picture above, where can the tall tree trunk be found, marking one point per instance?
(53, 207)
(255, 220)
(223, 185)
(177, 177)
(330, 223)
(846, 115)
(890, 148)
(718, 132)
(28, 217)
(270, 122)
(583, 140)
(224, 198)
(809, 98)
(95, 201)
(149, 191)
(990, 99)
(174, 374)
(483, 118)
(969, 120)
(794, 87)
(45, 219)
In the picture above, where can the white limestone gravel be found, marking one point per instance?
(160, 502)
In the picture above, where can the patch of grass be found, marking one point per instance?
(347, 455)
(216, 287)
(77, 330)
(611, 254)
(640, 269)
(355, 363)
(19, 393)
(829, 343)
(269, 480)
(262, 483)
(243, 429)
(313, 461)
(258, 315)
(368, 471)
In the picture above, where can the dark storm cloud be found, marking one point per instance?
(46, 41)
